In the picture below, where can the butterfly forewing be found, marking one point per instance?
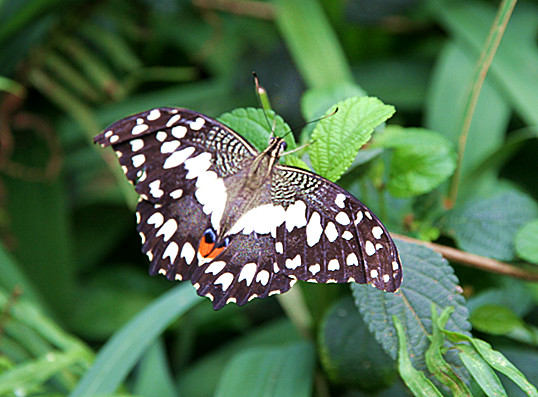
(164, 152)
(279, 223)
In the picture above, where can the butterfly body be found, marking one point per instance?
(233, 220)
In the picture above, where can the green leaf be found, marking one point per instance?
(211, 366)
(444, 107)
(516, 57)
(495, 320)
(482, 372)
(420, 162)
(25, 377)
(487, 226)
(494, 359)
(427, 279)
(253, 125)
(343, 358)
(125, 348)
(312, 43)
(338, 138)
(415, 380)
(154, 377)
(526, 242)
(269, 371)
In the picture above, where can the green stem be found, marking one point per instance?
(490, 48)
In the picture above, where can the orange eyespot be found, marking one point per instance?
(207, 246)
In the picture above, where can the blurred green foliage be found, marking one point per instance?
(78, 313)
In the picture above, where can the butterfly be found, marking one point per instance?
(235, 221)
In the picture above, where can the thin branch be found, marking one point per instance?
(472, 260)
(490, 48)
(254, 9)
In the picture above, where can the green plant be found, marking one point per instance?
(80, 315)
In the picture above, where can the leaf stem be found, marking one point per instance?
(472, 260)
(490, 48)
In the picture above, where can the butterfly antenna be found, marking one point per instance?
(310, 122)
(263, 99)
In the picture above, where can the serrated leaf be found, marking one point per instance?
(526, 242)
(270, 371)
(428, 278)
(337, 139)
(343, 358)
(421, 160)
(253, 125)
(487, 226)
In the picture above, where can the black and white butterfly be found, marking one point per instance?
(234, 221)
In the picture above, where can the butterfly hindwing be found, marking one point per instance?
(245, 270)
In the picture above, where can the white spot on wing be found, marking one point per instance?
(137, 144)
(347, 235)
(333, 265)
(293, 263)
(156, 219)
(247, 273)
(199, 123)
(262, 220)
(168, 229)
(386, 278)
(339, 200)
(313, 229)
(314, 269)
(359, 218)
(171, 252)
(174, 119)
(296, 215)
(155, 189)
(139, 128)
(161, 136)
(114, 139)
(369, 247)
(215, 267)
(342, 218)
(138, 160)
(170, 146)
(179, 131)
(263, 277)
(154, 115)
(178, 158)
(176, 193)
(374, 273)
(352, 260)
(225, 280)
(377, 231)
(279, 247)
(395, 265)
(211, 193)
(198, 165)
(368, 215)
(331, 232)
(188, 253)
(108, 134)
